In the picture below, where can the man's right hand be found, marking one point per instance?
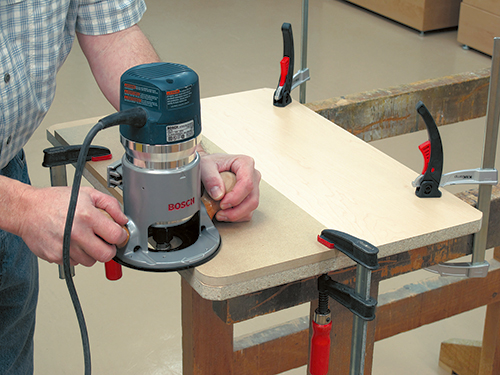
(43, 217)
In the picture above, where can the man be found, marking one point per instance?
(35, 39)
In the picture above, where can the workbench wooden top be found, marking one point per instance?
(315, 176)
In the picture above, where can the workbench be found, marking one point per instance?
(315, 175)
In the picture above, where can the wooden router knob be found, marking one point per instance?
(212, 205)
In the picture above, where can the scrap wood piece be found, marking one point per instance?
(384, 113)
(461, 356)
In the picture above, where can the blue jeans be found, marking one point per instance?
(18, 291)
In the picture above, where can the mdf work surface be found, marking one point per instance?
(315, 176)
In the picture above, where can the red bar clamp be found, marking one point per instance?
(282, 96)
(357, 300)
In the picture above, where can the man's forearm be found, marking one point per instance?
(112, 54)
(11, 204)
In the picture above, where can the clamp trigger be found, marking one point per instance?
(427, 184)
(425, 149)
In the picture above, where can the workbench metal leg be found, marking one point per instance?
(207, 342)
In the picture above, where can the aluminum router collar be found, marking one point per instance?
(169, 156)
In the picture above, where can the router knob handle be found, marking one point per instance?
(113, 270)
(212, 205)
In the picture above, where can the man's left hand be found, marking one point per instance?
(239, 204)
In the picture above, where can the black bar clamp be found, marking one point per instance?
(62, 155)
(365, 255)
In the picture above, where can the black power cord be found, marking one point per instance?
(136, 117)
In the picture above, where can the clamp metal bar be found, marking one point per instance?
(490, 146)
(58, 176)
(477, 176)
(303, 64)
(299, 79)
(359, 325)
(465, 269)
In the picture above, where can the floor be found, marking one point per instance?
(134, 324)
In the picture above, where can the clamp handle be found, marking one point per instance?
(282, 96)
(319, 355)
(432, 151)
(361, 251)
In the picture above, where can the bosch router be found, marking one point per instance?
(160, 172)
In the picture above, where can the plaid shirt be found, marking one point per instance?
(35, 39)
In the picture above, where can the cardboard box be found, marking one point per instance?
(492, 6)
(423, 15)
(477, 28)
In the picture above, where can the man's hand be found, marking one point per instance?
(43, 213)
(241, 202)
